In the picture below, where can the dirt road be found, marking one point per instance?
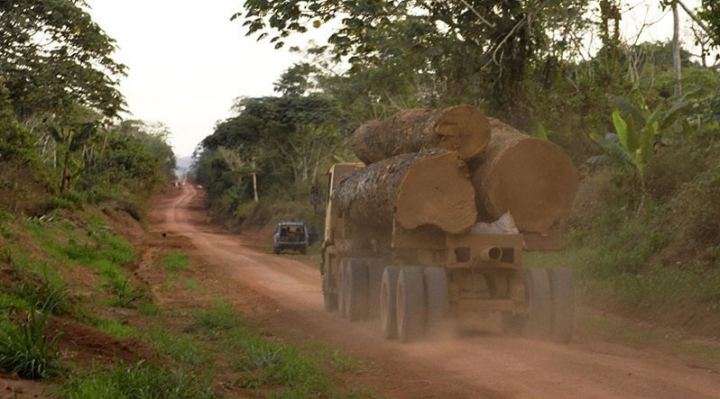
(286, 295)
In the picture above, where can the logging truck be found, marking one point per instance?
(412, 238)
(416, 279)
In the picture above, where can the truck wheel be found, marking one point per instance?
(356, 290)
(341, 286)
(388, 314)
(375, 267)
(436, 300)
(562, 288)
(410, 303)
(539, 320)
(330, 301)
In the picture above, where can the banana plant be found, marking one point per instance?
(70, 142)
(637, 130)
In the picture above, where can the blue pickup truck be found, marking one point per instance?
(291, 236)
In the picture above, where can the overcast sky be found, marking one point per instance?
(188, 62)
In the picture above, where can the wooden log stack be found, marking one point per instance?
(417, 173)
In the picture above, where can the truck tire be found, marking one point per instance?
(356, 290)
(410, 303)
(562, 289)
(436, 300)
(341, 286)
(539, 320)
(330, 299)
(375, 267)
(388, 291)
(330, 302)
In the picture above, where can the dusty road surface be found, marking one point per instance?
(285, 295)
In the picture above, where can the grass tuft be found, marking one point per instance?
(175, 261)
(183, 349)
(220, 316)
(25, 349)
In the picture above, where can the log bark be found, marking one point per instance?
(533, 179)
(430, 188)
(463, 129)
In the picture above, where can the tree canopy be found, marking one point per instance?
(53, 56)
(470, 51)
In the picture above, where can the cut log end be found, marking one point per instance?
(463, 129)
(437, 192)
(534, 180)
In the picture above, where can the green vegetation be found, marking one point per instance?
(194, 344)
(175, 261)
(25, 348)
(138, 380)
(183, 349)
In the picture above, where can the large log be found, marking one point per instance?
(463, 129)
(431, 188)
(533, 179)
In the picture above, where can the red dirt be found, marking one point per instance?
(283, 293)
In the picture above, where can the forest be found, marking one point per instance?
(640, 120)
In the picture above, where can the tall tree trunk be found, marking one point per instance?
(677, 75)
(65, 184)
(254, 179)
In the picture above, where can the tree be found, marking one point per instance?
(54, 56)
(465, 51)
(710, 14)
(70, 139)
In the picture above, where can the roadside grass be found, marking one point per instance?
(175, 261)
(117, 329)
(656, 287)
(199, 344)
(26, 350)
(181, 348)
(617, 329)
(192, 284)
(138, 380)
(267, 364)
(339, 361)
(94, 246)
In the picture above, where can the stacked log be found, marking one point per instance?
(417, 189)
(463, 129)
(512, 172)
(532, 179)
